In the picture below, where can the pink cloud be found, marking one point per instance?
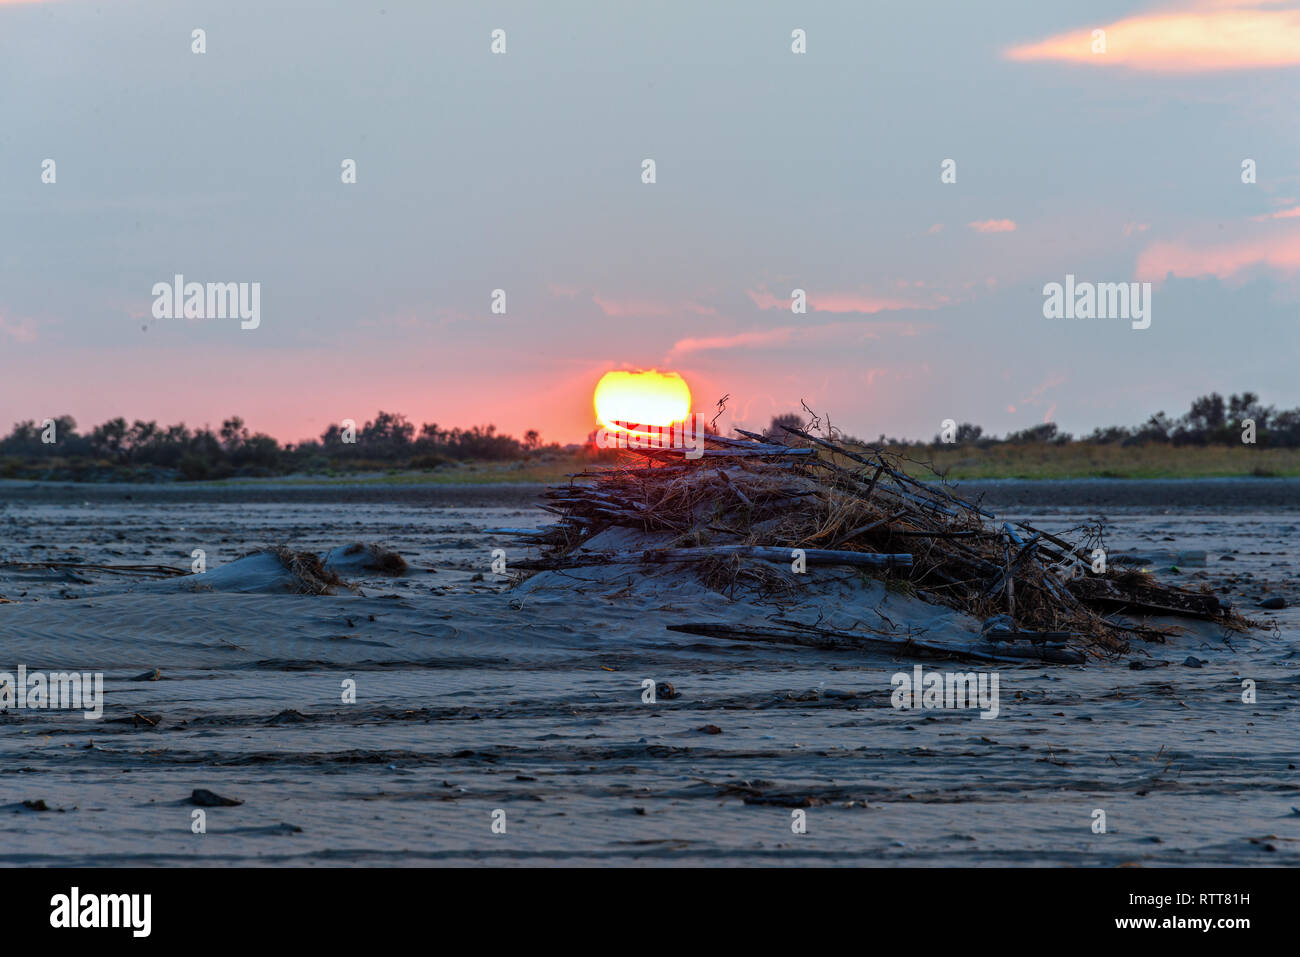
(1219, 35)
(1037, 396)
(20, 330)
(783, 335)
(837, 302)
(1281, 214)
(758, 338)
(1222, 260)
(994, 226)
(850, 302)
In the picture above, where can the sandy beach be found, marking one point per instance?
(474, 695)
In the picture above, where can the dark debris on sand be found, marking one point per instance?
(202, 797)
(738, 512)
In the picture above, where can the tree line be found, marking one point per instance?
(391, 441)
(1211, 420)
(387, 441)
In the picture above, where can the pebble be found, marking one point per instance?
(205, 798)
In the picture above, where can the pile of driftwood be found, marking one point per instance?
(749, 506)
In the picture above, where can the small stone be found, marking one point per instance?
(289, 716)
(710, 729)
(202, 797)
(1191, 661)
(1273, 602)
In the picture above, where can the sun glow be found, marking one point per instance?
(641, 398)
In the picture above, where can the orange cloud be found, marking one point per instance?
(1231, 35)
(1221, 260)
(994, 226)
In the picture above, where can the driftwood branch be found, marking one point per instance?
(852, 641)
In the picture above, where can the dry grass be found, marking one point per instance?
(310, 575)
(380, 559)
(1039, 460)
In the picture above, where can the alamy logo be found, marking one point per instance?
(102, 910)
(1106, 300)
(179, 299)
(58, 690)
(946, 690)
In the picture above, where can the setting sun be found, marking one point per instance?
(641, 398)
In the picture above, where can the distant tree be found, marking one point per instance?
(1247, 406)
(388, 436)
(108, 439)
(257, 451)
(1109, 435)
(1206, 415)
(233, 433)
(1044, 432)
(1284, 428)
(775, 432)
(1158, 428)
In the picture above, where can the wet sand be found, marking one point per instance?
(472, 698)
(999, 493)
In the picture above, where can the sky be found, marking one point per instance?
(522, 171)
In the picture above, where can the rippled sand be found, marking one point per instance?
(473, 698)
